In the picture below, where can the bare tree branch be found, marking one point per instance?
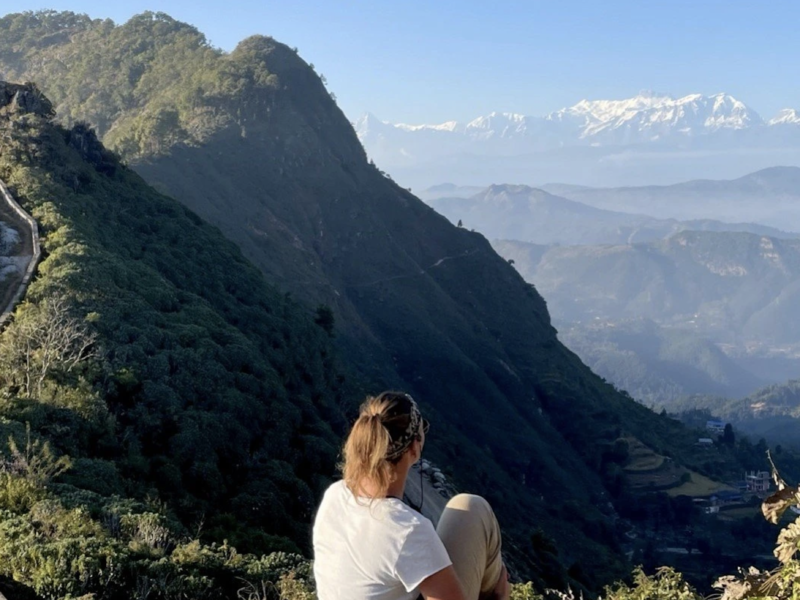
(48, 338)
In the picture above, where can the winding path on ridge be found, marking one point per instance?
(24, 255)
(418, 273)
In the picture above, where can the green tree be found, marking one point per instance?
(728, 436)
(325, 319)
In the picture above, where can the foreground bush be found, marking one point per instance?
(66, 543)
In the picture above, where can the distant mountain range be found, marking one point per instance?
(769, 196)
(644, 118)
(590, 135)
(519, 212)
(730, 287)
(661, 307)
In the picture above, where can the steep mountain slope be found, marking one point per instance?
(518, 212)
(253, 142)
(194, 399)
(769, 196)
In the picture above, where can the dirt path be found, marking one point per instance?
(438, 263)
(26, 250)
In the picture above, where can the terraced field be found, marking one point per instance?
(699, 486)
(648, 471)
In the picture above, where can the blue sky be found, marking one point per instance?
(435, 60)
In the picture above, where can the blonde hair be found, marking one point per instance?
(381, 420)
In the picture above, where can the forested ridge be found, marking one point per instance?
(195, 402)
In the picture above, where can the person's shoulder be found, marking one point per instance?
(414, 531)
(335, 494)
(407, 517)
(337, 489)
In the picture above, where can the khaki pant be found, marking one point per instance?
(471, 535)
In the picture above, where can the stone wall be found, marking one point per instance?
(33, 231)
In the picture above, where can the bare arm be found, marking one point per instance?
(443, 585)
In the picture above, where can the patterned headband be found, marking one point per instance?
(403, 441)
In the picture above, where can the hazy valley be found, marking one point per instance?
(518, 212)
(664, 307)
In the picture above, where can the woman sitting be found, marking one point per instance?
(369, 545)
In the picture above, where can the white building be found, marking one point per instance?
(757, 481)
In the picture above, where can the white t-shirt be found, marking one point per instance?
(381, 551)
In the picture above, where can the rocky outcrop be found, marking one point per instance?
(82, 137)
(26, 98)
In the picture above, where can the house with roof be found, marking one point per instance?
(726, 497)
(758, 481)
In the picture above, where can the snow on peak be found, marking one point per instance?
(647, 117)
(446, 126)
(729, 113)
(787, 116)
(497, 124)
(655, 115)
(370, 126)
(367, 124)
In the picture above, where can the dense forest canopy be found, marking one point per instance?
(197, 391)
(145, 86)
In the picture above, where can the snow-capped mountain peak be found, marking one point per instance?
(645, 118)
(368, 122)
(653, 116)
(497, 124)
(728, 112)
(450, 126)
(787, 116)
